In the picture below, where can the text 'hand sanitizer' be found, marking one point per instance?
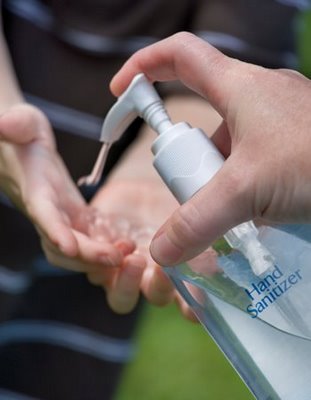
(252, 296)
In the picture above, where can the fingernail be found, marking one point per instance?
(163, 251)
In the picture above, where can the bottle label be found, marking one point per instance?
(272, 287)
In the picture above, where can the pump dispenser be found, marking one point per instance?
(185, 158)
(253, 298)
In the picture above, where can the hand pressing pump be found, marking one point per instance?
(185, 158)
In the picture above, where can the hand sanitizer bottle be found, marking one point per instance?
(252, 293)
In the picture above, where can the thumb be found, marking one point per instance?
(22, 124)
(217, 207)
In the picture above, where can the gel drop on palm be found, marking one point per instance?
(252, 290)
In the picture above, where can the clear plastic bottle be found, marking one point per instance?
(262, 324)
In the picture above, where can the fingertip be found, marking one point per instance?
(158, 289)
(124, 76)
(124, 294)
(164, 251)
(189, 314)
(67, 244)
(122, 79)
(185, 309)
(115, 86)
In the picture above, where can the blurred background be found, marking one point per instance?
(174, 359)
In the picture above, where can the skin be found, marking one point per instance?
(34, 177)
(264, 135)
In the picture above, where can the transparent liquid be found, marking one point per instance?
(262, 324)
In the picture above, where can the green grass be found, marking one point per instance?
(304, 42)
(177, 360)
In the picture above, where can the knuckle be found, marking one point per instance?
(186, 225)
(289, 74)
(240, 186)
(183, 37)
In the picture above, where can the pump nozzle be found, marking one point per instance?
(140, 99)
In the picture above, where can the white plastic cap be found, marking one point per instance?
(186, 159)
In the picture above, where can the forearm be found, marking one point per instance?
(10, 92)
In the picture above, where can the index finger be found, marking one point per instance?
(185, 57)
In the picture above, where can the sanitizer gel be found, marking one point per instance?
(253, 291)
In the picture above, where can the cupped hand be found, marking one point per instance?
(34, 177)
(264, 136)
(101, 241)
(135, 208)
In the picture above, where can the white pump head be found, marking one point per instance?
(140, 99)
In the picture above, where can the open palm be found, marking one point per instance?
(35, 179)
